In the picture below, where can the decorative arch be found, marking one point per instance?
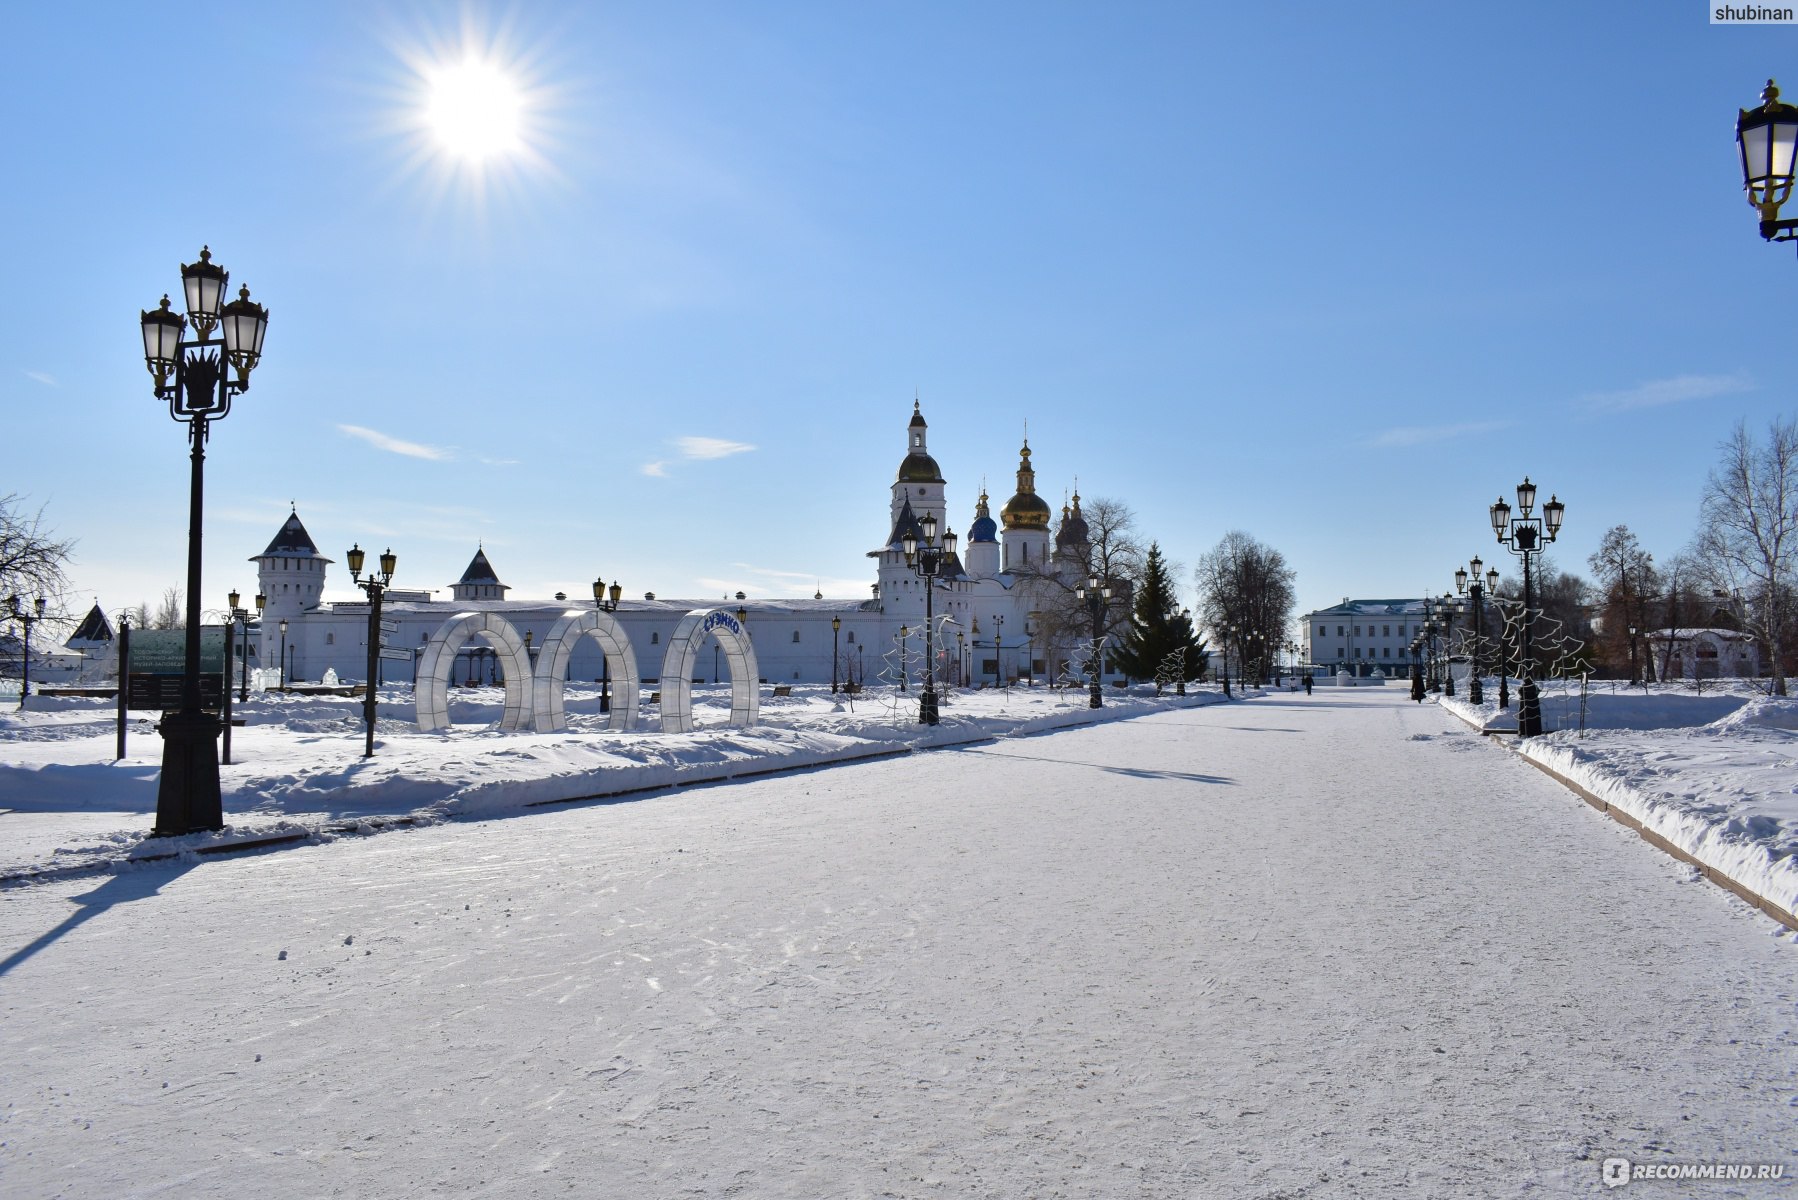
(677, 669)
(552, 669)
(440, 658)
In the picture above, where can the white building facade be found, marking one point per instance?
(1364, 637)
(982, 604)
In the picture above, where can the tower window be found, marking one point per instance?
(330, 639)
(655, 639)
(795, 635)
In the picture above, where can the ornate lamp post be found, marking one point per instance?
(240, 617)
(961, 658)
(1096, 595)
(1524, 536)
(375, 586)
(926, 560)
(1448, 645)
(1767, 137)
(26, 616)
(836, 625)
(283, 628)
(999, 651)
(193, 377)
(1469, 580)
(1185, 637)
(607, 602)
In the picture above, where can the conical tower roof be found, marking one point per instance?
(94, 629)
(479, 570)
(291, 541)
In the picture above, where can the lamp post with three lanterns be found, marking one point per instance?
(1525, 536)
(26, 615)
(1469, 581)
(193, 376)
(926, 558)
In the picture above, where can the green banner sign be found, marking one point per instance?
(164, 651)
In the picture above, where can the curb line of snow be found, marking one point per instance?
(941, 738)
(1629, 808)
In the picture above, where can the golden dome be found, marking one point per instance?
(1026, 510)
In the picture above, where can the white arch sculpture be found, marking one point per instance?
(440, 658)
(677, 669)
(552, 669)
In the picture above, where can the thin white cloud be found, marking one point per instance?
(1417, 435)
(41, 377)
(658, 469)
(1677, 390)
(393, 445)
(707, 447)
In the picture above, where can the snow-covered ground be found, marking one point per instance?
(297, 764)
(1715, 773)
(1328, 946)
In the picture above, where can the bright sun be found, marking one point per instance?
(474, 110)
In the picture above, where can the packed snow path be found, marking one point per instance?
(1325, 946)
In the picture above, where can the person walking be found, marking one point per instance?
(1307, 683)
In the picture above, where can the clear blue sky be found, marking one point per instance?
(1336, 275)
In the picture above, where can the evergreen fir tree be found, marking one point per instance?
(1158, 631)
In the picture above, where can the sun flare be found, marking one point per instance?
(474, 110)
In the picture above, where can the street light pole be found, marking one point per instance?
(836, 625)
(193, 378)
(607, 602)
(375, 586)
(926, 559)
(1525, 537)
(1448, 645)
(27, 616)
(283, 653)
(1471, 582)
(1766, 137)
(1096, 597)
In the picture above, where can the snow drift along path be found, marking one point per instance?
(1326, 947)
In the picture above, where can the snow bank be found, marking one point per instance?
(297, 768)
(1724, 790)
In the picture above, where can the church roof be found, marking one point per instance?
(291, 541)
(984, 528)
(1073, 531)
(918, 466)
(94, 628)
(479, 570)
(907, 522)
(1026, 510)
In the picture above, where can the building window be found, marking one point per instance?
(1339, 631)
(1385, 651)
(655, 639)
(795, 636)
(852, 637)
(1320, 631)
(1385, 631)
(330, 639)
(1357, 631)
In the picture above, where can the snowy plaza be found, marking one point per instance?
(1326, 945)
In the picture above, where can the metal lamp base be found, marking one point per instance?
(187, 795)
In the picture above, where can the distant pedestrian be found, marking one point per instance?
(1307, 683)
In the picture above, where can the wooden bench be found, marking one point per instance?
(783, 689)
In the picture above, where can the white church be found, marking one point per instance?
(984, 604)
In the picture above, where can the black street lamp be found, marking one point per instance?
(1767, 137)
(926, 559)
(1524, 537)
(283, 653)
(1096, 596)
(1469, 581)
(961, 658)
(375, 587)
(836, 625)
(27, 616)
(1227, 635)
(999, 676)
(1448, 645)
(240, 617)
(607, 602)
(193, 377)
